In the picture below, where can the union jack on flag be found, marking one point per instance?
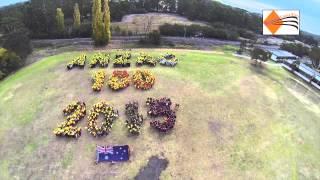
(112, 153)
(105, 150)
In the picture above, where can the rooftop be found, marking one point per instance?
(281, 53)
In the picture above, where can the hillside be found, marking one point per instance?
(141, 23)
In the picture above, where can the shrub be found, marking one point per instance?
(2, 75)
(172, 30)
(296, 49)
(259, 54)
(196, 30)
(85, 30)
(154, 37)
(9, 62)
(19, 43)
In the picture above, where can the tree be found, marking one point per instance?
(296, 49)
(101, 23)
(97, 24)
(106, 20)
(76, 16)
(19, 43)
(243, 45)
(315, 57)
(15, 36)
(11, 25)
(9, 62)
(60, 20)
(259, 54)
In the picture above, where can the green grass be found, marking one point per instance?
(261, 127)
(67, 159)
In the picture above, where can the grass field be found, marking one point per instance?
(235, 121)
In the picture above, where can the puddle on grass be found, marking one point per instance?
(153, 169)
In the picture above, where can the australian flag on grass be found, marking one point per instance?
(113, 153)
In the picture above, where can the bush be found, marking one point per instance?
(2, 75)
(85, 30)
(153, 37)
(9, 62)
(116, 30)
(172, 30)
(247, 34)
(296, 49)
(259, 54)
(19, 43)
(196, 30)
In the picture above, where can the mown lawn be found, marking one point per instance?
(235, 122)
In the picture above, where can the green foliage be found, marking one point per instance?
(18, 42)
(11, 24)
(242, 48)
(60, 21)
(213, 11)
(85, 30)
(315, 57)
(296, 49)
(106, 20)
(101, 23)
(259, 54)
(197, 30)
(153, 37)
(76, 17)
(97, 24)
(9, 62)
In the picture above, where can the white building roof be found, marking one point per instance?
(308, 70)
(281, 53)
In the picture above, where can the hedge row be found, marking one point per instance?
(198, 31)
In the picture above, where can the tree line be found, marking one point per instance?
(15, 41)
(39, 16)
(300, 50)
